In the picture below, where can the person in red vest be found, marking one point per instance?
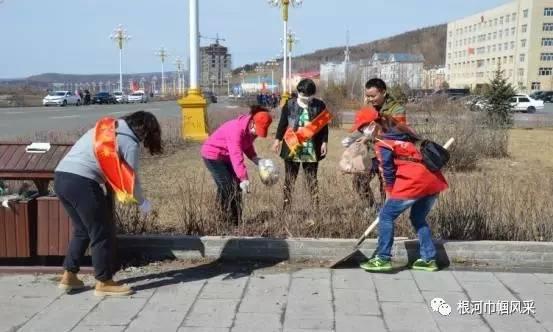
(408, 184)
(105, 155)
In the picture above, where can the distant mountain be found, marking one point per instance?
(44, 81)
(430, 42)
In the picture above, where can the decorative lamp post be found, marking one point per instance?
(228, 76)
(193, 105)
(162, 54)
(285, 5)
(120, 36)
(291, 40)
(260, 70)
(178, 64)
(272, 64)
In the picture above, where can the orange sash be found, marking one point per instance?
(294, 140)
(117, 172)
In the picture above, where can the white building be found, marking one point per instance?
(398, 69)
(517, 35)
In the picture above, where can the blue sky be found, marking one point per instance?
(69, 36)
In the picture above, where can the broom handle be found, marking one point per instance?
(375, 222)
(448, 143)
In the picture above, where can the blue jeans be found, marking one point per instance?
(419, 210)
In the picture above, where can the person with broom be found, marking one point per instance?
(223, 154)
(108, 153)
(409, 184)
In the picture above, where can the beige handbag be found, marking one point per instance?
(355, 159)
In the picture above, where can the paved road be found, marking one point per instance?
(24, 121)
(196, 299)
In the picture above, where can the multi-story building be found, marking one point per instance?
(393, 68)
(398, 69)
(518, 36)
(215, 65)
(433, 78)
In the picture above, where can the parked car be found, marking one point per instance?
(210, 97)
(475, 103)
(524, 103)
(138, 97)
(104, 98)
(120, 97)
(536, 94)
(546, 96)
(61, 98)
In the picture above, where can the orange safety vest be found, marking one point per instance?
(294, 140)
(117, 172)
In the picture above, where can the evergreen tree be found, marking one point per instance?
(498, 107)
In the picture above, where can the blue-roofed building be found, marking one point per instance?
(397, 69)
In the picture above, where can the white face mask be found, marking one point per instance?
(304, 99)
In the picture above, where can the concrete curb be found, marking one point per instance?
(494, 254)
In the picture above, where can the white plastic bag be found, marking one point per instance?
(355, 159)
(268, 172)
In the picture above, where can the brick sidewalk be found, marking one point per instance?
(310, 299)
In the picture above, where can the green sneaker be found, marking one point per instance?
(422, 265)
(376, 264)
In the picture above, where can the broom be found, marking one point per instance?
(372, 227)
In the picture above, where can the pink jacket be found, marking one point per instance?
(229, 143)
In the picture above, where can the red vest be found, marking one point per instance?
(413, 179)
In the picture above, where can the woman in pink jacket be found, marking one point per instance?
(223, 154)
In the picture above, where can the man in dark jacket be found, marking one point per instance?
(297, 113)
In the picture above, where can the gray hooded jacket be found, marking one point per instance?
(81, 159)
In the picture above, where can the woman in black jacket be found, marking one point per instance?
(295, 114)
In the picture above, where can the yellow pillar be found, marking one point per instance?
(194, 115)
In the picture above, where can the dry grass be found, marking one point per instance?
(494, 199)
(500, 187)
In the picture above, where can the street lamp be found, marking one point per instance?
(291, 40)
(228, 76)
(259, 70)
(285, 5)
(120, 36)
(242, 76)
(178, 63)
(272, 64)
(162, 54)
(213, 78)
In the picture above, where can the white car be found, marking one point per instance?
(138, 97)
(121, 97)
(61, 98)
(524, 103)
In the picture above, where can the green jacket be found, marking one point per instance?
(393, 108)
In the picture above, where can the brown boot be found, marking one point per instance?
(69, 281)
(112, 288)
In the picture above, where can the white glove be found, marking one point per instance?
(245, 186)
(347, 142)
(145, 207)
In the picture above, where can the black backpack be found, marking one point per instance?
(434, 156)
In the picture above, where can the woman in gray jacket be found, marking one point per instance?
(78, 180)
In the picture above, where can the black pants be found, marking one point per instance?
(86, 204)
(228, 189)
(292, 169)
